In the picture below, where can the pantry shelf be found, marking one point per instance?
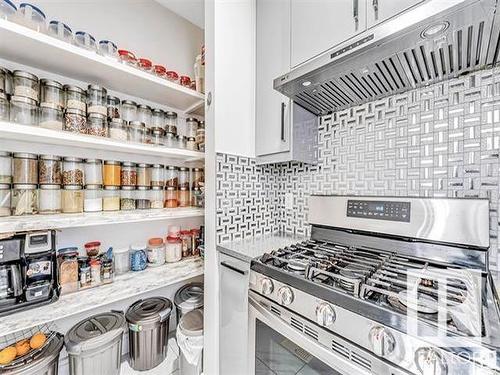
(28, 47)
(23, 138)
(43, 222)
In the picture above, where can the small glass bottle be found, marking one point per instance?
(191, 144)
(51, 116)
(137, 132)
(157, 136)
(73, 171)
(23, 111)
(191, 127)
(50, 199)
(158, 118)
(72, 199)
(170, 120)
(172, 177)
(51, 92)
(170, 140)
(127, 198)
(157, 172)
(49, 170)
(129, 111)
(198, 178)
(184, 178)
(107, 273)
(97, 125)
(97, 100)
(76, 98)
(181, 142)
(93, 172)
(128, 174)
(95, 271)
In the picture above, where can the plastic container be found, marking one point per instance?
(145, 64)
(5, 167)
(127, 57)
(97, 100)
(157, 173)
(85, 40)
(113, 105)
(5, 197)
(142, 198)
(93, 198)
(7, 9)
(158, 118)
(157, 195)
(173, 249)
(24, 200)
(111, 198)
(138, 257)
(75, 121)
(31, 17)
(185, 81)
(72, 199)
(156, 252)
(190, 338)
(67, 264)
(171, 198)
(25, 168)
(108, 49)
(60, 31)
(51, 92)
(93, 171)
(160, 71)
(121, 260)
(127, 198)
(188, 298)
(137, 132)
(49, 170)
(144, 114)
(92, 248)
(76, 98)
(111, 173)
(50, 199)
(97, 125)
(51, 116)
(73, 171)
(172, 76)
(4, 107)
(23, 111)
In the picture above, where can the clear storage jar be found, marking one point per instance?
(147, 136)
(156, 252)
(129, 111)
(85, 40)
(73, 171)
(170, 140)
(26, 85)
(171, 119)
(191, 127)
(200, 136)
(5, 167)
(157, 136)
(97, 100)
(25, 168)
(128, 175)
(51, 116)
(50, 199)
(121, 260)
(142, 198)
(97, 125)
(160, 71)
(117, 129)
(171, 198)
(31, 17)
(137, 132)
(113, 107)
(24, 200)
(72, 199)
(185, 81)
(173, 249)
(92, 198)
(145, 64)
(184, 197)
(76, 98)
(60, 31)
(9, 82)
(51, 92)
(93, 171)
(111, 173)
(75, 121)
(7, 10)
(127, 198)
(158, 118)
(157, 195)
(107, 271)
(183, 178)
(23, 111)
(108, 49)
(144, 115)
(198, 178)
(49, 170)
(5, 196)
(191, 144)
(111, 198)
(4, 106)
(157, 172)
(172, 76)
(172, 177)
(186, 243)
(127, 57)
(95, 272)
(181, 142)
(143, 175)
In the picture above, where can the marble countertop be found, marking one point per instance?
(250, 248)
(124, 286)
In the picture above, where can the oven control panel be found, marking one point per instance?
(379, 210)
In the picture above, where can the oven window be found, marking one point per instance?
(275, 355)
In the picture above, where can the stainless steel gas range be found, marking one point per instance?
(383, 286)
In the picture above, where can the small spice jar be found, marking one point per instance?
(129, 111)
(26, 85)
(127, 198)
(171, 121)
(186, 243)
(113, 105)
(198, 178)
(127, 57)
(191, 144)
(158, 118)
(143, 199)
(143, 175)
(76, 98)
(157, 173)
(117, 129)
(137, 132)
(170, 140)
(171, 198)
(5, 167)
(23, 111)
(75, 121)
(144, 114)
(50, 199)
(97, 100)
(4, 107)
(92, 199)
(156, 252)
(95, 272)
(183, 178)
(25, 168)
(51, 92)
(84, 273)
(111, 173)
(191, 127)
(93, 171)
(157, 196)
(72, 199)
(49, 170)
(128, 175)
(24, 200)
(92, 249)
(184, 197)
(97, 125)
(157, 135)
(107, 273)
(181, 142)
(173, 249)
(172, 177)
(5, 196)
(51, 116)
(73, 171)
(111, 198)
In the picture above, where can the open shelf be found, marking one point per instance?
(28, 47)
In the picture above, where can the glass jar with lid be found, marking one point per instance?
(23, 111)
(4, 107)
(107, 271)
(143, 175)
(128, 174)
(173, 249)
(108, 49)
(170, 140)
(97, 100)
(73, 171)
(49, 170)
(25, 167)
(24, 199)
(137, 132)
(51, 92)
(148, 136)
(51, 116)
(157, 136)
(117, 129)
(76, 98)
(93, 172)
(201, 124)
(170, 120)
(191, 127)
(181, 142)
(112, 172)
(200, 136)
(157, 197)
(50, 199)
(75, 121)
(9, 83)
(171, 198)
(172, 177)
(3, 74)
(26, 85)
(95, 271)
(31, 16)
(5, 167)
(183, 178)
(184, 197)
(156, 252)
(97, 125)
(198, 178)
(111, 198)
(72, 199)
(144, 114)
(129, 111)
(92, 198)
(157, 172)
(60, 31)
(191, 144)
(127, 198)
(158, 118)
(142, 198)
(67, 261)
(113, 107)
(5, 196)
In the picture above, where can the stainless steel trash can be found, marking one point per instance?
(148, 322)
(189, 297)
(191, 326)
(94, 345)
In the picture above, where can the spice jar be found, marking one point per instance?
(97, 125)
(143, 200)
(171, 198)
(173, 249)
(129, 110)
(191, 144)
(72, 199)
(84, 274)
(4, 107)
(117, 129)
(24, 200)
(185, 81)
(111, 172)
(111, 198)
(144, 114)
(172, 76)
(186, 243)
(170, 140)
(50, 199)
(76, 98)
(195, 235)
(137, 132)
(200, 136)
(26, 85)
(97, 100)
(5, 167)
(73, 171)
(5, 196)
(3, 73)
(156, 252)
(148, 136)
(95, 272)
(92, 198)
(107, 273)
(184, 197)
(67, 260)
(113, 104)
(127, 198)
(157, 135)
(172, 177)
(49, 170)
(92, 248)
(23, 111)
(171, 121)
(183, 178)
(160, 71)
(157, 197)
(157, 173)
(198, 178)
(86, 41)
(158, 118)
(138, 257)
(51, 116)
(128, 175)
(191, 127)
(51, 92)
(93, 172)
(145, 64)
(75, 121)
(143, 175)
(181, 142)
(25, 168)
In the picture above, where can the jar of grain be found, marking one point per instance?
(97, 100)
(111, 172)
(143, 175)
(75, 121)
(92, 198)
(144, 114)
(23, 111)
(157, 197)
(51, 92)
(51, 116)
(25, 168)
(93, 171)
(111, 198)
(117, 129)
(137, 132)
(127, 198)
(157, 173)
(97, 125)
(24, 200)
(26, 85)
(113, 107)
(129, 111)
(184, 197)
(5, 167)
(73, 171)
(172, 177)
(49, 170)
(50, 199)
(72, 199)
(76, 98)
(191, 127)
(128, 175)
(171, 198)
(5, 196)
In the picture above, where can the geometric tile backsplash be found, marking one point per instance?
(438, 141)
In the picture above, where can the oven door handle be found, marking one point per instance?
(17, 284)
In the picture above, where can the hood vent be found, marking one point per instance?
(383, 61)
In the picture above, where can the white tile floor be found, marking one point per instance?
(170, 366)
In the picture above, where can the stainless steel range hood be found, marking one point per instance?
(437, 40)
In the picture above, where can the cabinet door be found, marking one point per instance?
(273, 59)
(381, 10)
(318, 25)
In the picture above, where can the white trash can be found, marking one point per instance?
(190, 342)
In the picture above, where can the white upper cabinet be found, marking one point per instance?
(318, 25)
(380, 10)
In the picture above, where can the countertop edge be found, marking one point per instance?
(233, 253)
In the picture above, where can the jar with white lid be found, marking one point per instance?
(113, 107)
(4, 106)
(5, 167)
(49, 170)
(173, 249)
(184, 178)
(111, 198)
(158, 118)
(5, 196)
(170, 119)
(72, 199)
(127, 198)
(144, 115)
(157, 136)
(128, 174)
(73, 171)
(97, 100)
(97, 125)
(51, 92)
(32, 17)
(170, 140)
(191, 144)
(50, 199)
(191, 127)
(157, 197)
(143, 175)
(143, 198)
(157, 172)
(25, 168)
(61, 31)
(24, 200)
(117, 129)
(51, 116)
(137, 132)
(76, 98)
(26, 85)
(129, 111)
(23, 111)
(86, 41)
(75, 121)
(181, 142)
(92, 198)
(93, 171)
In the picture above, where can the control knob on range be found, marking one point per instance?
(383, 342)
(286, 295)
(430, 362)
(325, 314)
(266, 286)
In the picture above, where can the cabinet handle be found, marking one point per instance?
(283, 106)
(355, 13)
(375, 8)
(233, 268)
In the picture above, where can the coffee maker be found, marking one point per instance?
(28, 271)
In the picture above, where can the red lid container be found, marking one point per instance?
(145, 64)
(185, 81)
(127, 57)
(160, 70)
(171, 239)
(172, 76)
